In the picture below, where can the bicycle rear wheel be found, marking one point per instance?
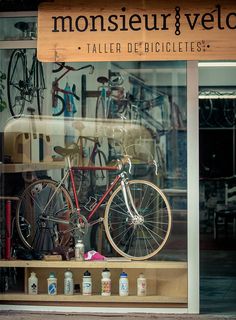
(58, 105)
(40, 85)
(37, 224)
(138, 240)
(16, 83)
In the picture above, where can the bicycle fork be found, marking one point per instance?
(137, 219)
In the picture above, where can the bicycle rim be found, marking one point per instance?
(58, 106)
(138, 241)
(16, 83)
(40, 84)
(41, 234)
(206, 110)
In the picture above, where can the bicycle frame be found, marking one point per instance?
(55, 84)
(121, 177)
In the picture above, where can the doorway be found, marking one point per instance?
(217, 124)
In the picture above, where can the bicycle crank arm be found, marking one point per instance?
(92, 223)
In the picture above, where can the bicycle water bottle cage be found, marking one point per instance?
(102, 80)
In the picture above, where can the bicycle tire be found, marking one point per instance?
(100, 108)
(229, 112)
(40, 85)
(99, 241)
(60, 66)
(58, 106)
(35, 233)
(130, 239)
(16, 80)
(205, 112)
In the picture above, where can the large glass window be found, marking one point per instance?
(121, 130)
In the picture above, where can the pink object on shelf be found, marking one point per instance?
(93, 255)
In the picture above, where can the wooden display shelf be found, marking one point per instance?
(94, 264)
(166, 282)
(28, 167)
(91, 298)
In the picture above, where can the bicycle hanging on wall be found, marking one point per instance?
(58, 103)
(25, 84)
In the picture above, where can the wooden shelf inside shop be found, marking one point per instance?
(94, 264)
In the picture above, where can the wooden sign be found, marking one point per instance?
(105, 30)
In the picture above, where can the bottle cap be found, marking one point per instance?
(87, 274)
(123, 275)
(52, 275)
(106, 273)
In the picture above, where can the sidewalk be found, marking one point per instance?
(82, 316)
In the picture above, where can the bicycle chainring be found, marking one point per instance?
(78, 225)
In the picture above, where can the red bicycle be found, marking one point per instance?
(58, 103)
(137, 218)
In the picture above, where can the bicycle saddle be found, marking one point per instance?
(67, 151)
(22, 26)
(102, 80)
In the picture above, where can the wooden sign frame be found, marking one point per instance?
(140, 30)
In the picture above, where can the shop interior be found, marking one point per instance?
(217, 185)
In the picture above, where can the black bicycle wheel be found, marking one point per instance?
(58, 106)
(16, 83)
(58, 66)
(99, 241)
(205, 112)
(40, 85)
(36, 216)
(229, 112)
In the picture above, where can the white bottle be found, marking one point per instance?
(33, 284)
(87, 284)
(52, 284)
(141, 285)
(68, 283)
(123, 284)
(106, 282)
(79, 251)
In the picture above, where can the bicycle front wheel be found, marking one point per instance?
(142, 237)
(16, 83)
(42, 216)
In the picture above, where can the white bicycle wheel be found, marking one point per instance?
(142, 238)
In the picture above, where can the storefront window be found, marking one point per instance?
(121, 130)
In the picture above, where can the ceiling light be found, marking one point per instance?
(217, 64)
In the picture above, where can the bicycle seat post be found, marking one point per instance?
(68, 161)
